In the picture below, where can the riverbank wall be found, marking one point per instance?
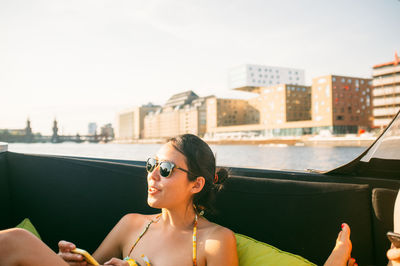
(354, 141)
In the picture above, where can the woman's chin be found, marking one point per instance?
(152, 202)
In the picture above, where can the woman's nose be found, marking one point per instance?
(155, 174)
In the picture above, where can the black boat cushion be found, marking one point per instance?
(81, 200)
(300, 217)
(383, 206)
(75, 200)
(5, 198)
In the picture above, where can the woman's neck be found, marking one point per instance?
(178, 218)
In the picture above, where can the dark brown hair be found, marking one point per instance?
(201, 162)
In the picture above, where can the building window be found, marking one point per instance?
(349, 81)
(362, 81)
(333, 79)
(343, 80)
(357, 88)
(339, 117)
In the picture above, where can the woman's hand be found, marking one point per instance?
(117, 262)
(393, 255)
(64, 251)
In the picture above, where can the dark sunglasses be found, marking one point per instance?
(165, 167)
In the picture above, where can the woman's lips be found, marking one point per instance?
(153, 190)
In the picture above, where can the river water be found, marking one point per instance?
(264, 157)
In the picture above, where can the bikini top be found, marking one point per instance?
(132, 262)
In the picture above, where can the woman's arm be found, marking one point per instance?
(220, 248)
(112, 245)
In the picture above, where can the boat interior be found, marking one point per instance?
(81, 199)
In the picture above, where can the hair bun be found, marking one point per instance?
(222, 175)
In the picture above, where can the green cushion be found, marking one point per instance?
(253, 252)
(27, 225)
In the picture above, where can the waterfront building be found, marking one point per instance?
(336, 104)
(283, 103)
(130, 122)
(92, 129)
(55, 138)
(386, 91)
(248, 77)
(341, 104)
(107, 132)
(183, 113)
(230, 112)
(276, 110)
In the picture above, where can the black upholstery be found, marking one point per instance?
(296, 216)
(72, 199)
(5, 201)
(80, 200)
(383, 205)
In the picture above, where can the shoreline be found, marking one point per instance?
(314, 141)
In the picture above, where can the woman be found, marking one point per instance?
(182, 181)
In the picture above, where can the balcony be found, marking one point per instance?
(386, 81)
(385, 111)
(386, 101)
(385, 70)
(386, 91)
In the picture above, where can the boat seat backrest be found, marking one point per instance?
(383, 205)
(80, 200)
(300, 217)
(73, 199)
(5, 200)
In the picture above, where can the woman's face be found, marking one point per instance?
(172, 191)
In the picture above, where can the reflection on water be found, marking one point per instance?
(267, 157)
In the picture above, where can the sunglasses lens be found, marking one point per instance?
(166, 169)
(150, 164)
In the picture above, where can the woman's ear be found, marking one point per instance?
(198, 184)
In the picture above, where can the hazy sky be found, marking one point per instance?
(83, 61)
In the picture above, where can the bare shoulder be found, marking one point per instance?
(219, 233)
(220, 246)
(133, 220)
